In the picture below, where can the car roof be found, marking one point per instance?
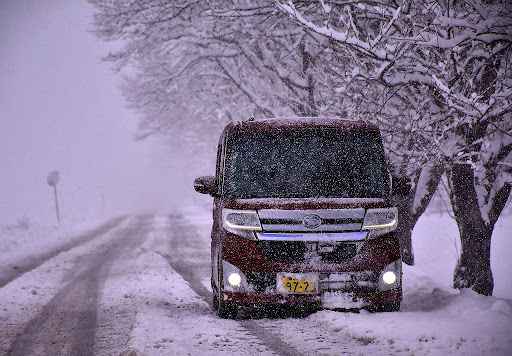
(294, 123)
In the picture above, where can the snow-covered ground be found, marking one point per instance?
(28, 238)
(161, 315)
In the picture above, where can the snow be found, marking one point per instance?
(28, 237)
(161, 315)
(342, 37)
(336, 299)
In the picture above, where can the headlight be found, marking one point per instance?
(241, 222)
(234, 279)
(380, 221)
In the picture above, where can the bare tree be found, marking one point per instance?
(192, 66)
(192, 63)
(449, 64)
(202, 60)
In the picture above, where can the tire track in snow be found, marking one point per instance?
(67, 324)
(10, 275)
(181, 233)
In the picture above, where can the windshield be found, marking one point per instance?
(305, 163)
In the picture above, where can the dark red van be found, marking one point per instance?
(303, 215)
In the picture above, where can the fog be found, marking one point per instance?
(61, 108)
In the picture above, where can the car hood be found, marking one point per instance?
(306, 203)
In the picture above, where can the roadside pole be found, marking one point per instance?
(56, 202)
(53, 179)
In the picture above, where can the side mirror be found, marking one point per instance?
(205, 185)
(400, 186)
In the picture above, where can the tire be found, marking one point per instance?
(225, 310)
(215, 302)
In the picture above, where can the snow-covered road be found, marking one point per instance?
(141, 286)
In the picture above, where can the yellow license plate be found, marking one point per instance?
(297, 283)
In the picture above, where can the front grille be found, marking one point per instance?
(300, 251)
(339, 253)
(284, 251)
(328, 220)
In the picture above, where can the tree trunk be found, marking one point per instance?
(473, 270)
(404, 229)
(408, 214)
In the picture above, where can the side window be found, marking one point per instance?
(219, 173)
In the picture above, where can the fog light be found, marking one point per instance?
(389, 277)
(234, 279)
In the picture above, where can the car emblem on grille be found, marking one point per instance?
(311, 221)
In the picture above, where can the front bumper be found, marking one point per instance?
(344, 290)
(329, 300)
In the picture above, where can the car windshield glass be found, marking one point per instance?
(305, 163)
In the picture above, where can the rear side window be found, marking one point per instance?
(305, 163)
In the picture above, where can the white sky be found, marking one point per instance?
(61, 108)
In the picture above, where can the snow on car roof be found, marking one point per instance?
(299, 123)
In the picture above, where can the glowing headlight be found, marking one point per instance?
(380, 221)
(389, 277)
(235, 279)
(241, 222)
